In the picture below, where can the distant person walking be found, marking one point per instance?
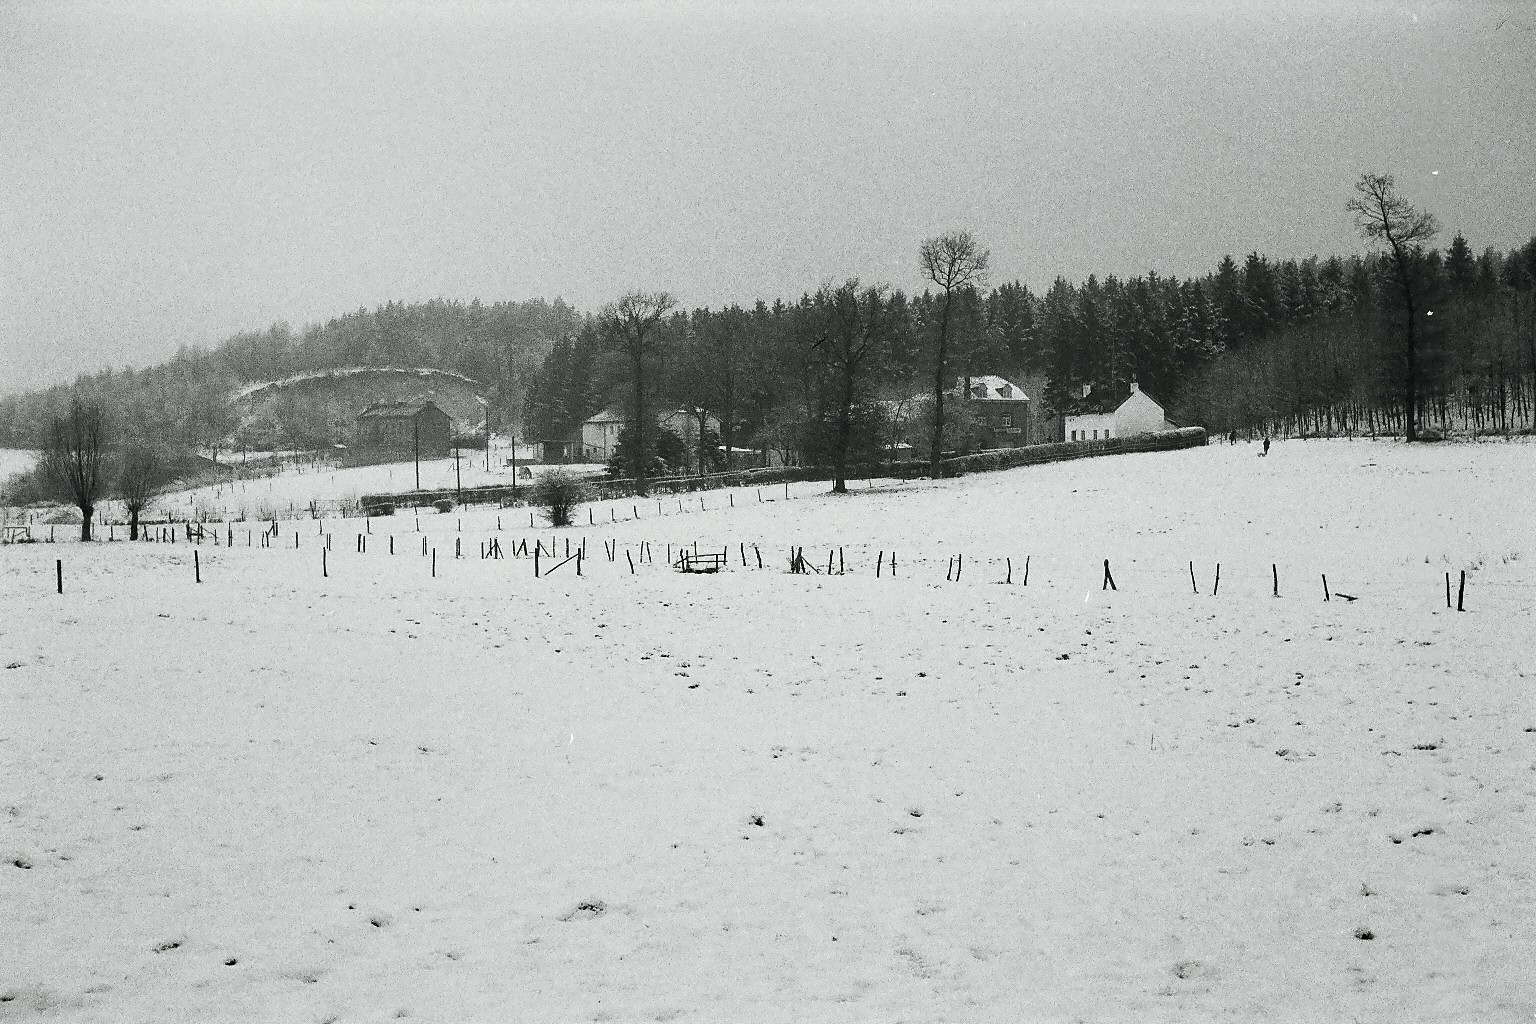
(1232, 437)
(1266, 446)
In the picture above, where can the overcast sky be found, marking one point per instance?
(173, 173)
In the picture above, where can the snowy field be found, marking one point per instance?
(290, 492)
(755, 796)
(15, 460)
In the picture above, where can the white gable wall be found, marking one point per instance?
(1138, 415)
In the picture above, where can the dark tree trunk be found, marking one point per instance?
(133, 524)
(86, 512)
(935, 451)
(640, 438)
(844, 429)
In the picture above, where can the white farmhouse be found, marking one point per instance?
(600, 434)
(1117, 412)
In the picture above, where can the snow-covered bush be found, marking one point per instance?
(558, 493)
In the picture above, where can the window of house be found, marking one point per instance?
(1074, 435)
(1106, 435)
(1007, 419)
(1095, 435)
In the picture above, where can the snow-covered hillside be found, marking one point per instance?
(756, 796)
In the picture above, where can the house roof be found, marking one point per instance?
(396, 410)
(1101, 401)
(609, 416)
(985, 388)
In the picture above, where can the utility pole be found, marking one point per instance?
(458, 479)
(514, 469)
(416, 444)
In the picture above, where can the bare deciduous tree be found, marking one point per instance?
(142, 472)
(855, 326)
(73, 460)
(630, 324)
(1384, 216)
(952, 261)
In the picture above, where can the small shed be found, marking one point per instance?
(404, 427)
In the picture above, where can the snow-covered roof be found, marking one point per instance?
(352, 371)
(992, 388)
(1103, 401)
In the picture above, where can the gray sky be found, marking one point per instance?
(172, 173)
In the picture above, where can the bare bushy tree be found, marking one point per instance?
(142, 472)
(953, 261)
(558, 492)
(73, 461)
(855, 326)
(631, 327)
(1383, 216)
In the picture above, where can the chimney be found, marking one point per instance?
(1086, 388)
(1135, 388)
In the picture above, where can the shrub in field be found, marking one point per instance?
(558, 493)
(383, 508)
(443, 505)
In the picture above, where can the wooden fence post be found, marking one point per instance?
(58, 568)
(1193, 585)
(1217, 585)
(1275, 570)
(1026, 570)
(1109, 581)
(1326, 596)
(1461, 592)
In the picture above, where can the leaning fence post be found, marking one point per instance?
(1026, 570)
(878, 560)
(1326, 596)
(1193, 585)
(1217, 585)
(1275, 569)
(1109, 581)
(1009, 577)
(1461, 592)
(630, 560)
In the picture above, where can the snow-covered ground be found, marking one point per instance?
(15, 460)
(757, 796)
(290, 492)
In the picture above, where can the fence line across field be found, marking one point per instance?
(691, 558)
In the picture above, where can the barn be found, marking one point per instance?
(405, 427)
